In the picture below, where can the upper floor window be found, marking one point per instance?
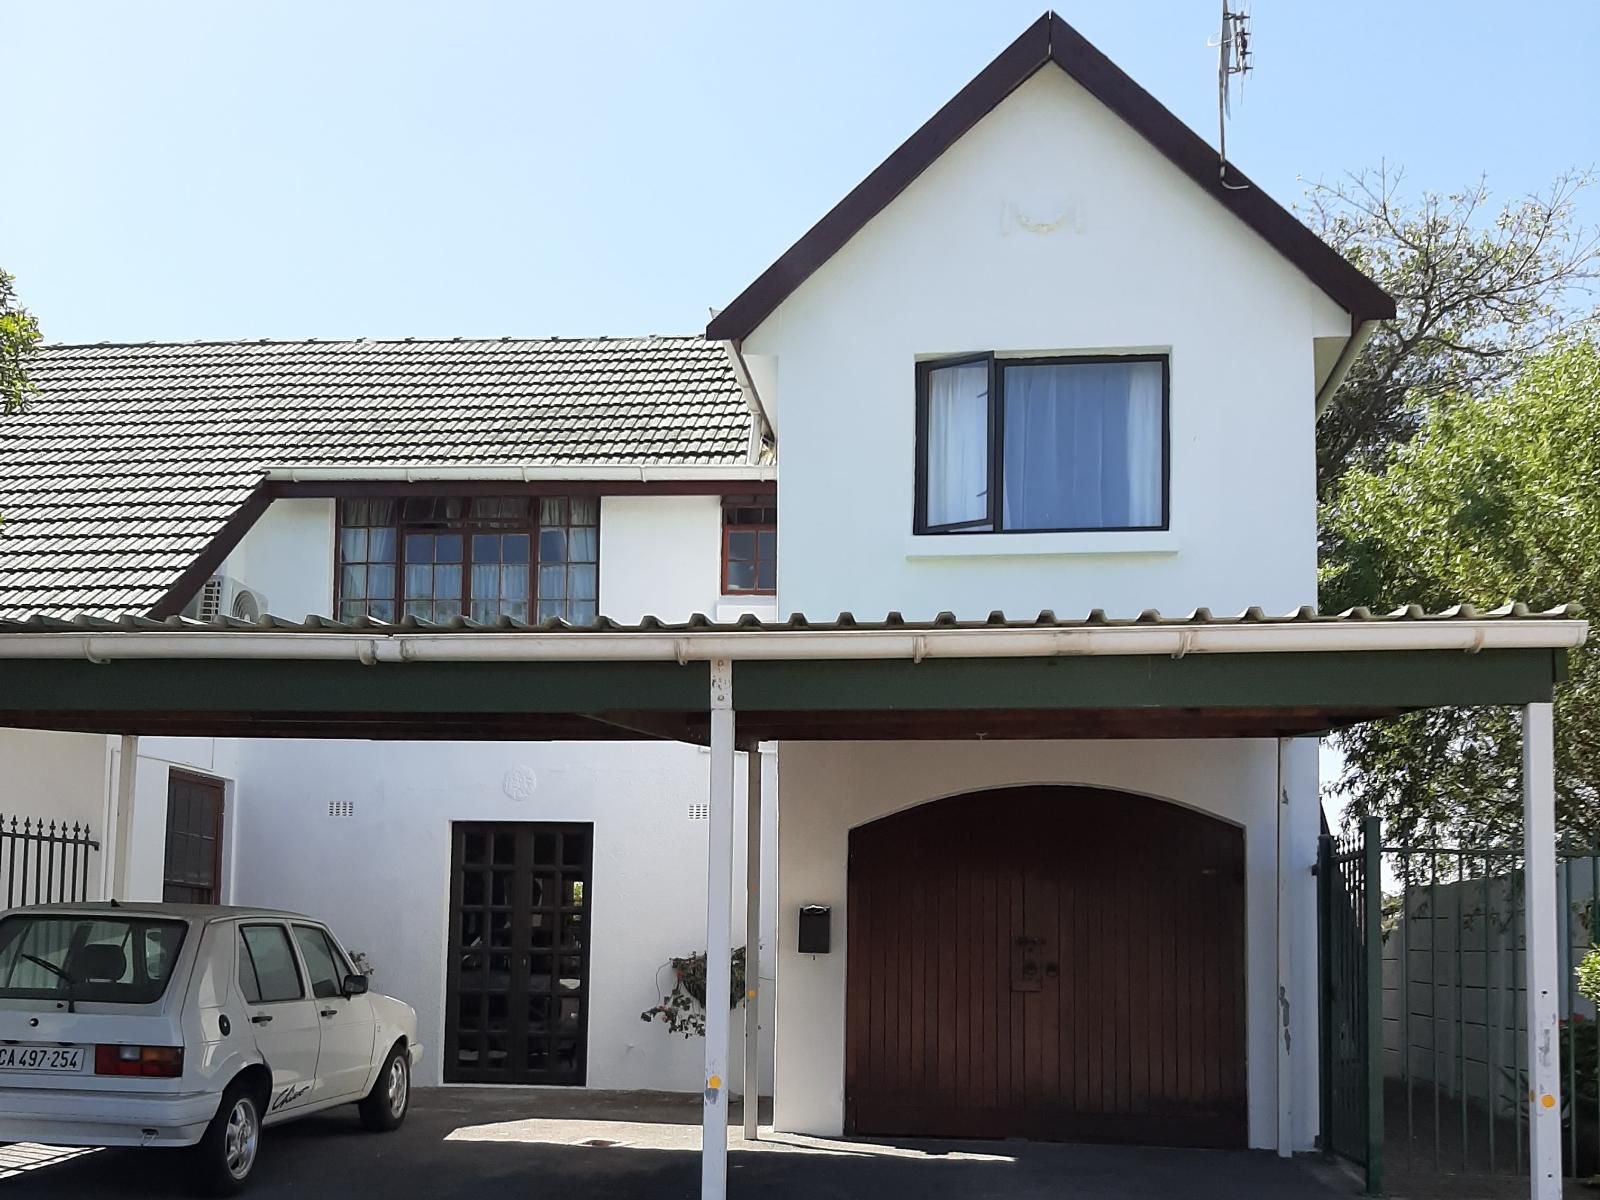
(435, 558)
(1041, 444)
(749, 547)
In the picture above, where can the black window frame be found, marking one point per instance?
(993, 520)
(294, 961)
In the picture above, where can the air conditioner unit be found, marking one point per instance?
(222, 595)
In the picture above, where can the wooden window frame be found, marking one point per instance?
(730, 504)
(995, 509)
(466, 528)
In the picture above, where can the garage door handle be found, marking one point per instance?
(261, 1019)
(330, 1012)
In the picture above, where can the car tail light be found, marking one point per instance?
(159, 1062)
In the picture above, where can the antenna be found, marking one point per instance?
(1233, 58)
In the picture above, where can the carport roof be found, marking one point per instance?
(1198, 675)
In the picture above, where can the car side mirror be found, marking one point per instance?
(355, 985)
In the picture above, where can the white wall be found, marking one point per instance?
(829, 788)
(1134, 257)
(381, 876)
(145, 828)
(288, 557)
(54, 776)
(660, 556)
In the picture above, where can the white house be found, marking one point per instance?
(1044, 361)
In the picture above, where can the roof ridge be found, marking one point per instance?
(371, 341)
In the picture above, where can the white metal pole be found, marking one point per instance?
(1539, 866)
(1285, 915)
(719, 919)
(117, 837)
(752, 951)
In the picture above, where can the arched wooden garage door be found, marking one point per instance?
(1057, 963)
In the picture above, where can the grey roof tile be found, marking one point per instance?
(133, 456)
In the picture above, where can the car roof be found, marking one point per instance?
(196, 913)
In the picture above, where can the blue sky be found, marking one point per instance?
(347, 169)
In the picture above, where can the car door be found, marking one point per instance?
(345, 1060)
(282, 1012)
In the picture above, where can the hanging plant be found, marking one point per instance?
(683, 1005)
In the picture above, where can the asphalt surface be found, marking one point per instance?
(478, 1142)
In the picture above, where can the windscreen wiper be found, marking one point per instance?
(60, 973)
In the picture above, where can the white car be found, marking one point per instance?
(188, 1025)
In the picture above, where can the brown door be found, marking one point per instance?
(517, 993)
(1065, 964)
(193, 870)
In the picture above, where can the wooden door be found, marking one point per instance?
(517, 992)
(192, 868)
(1056, 963)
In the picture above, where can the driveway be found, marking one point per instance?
(477, 1142)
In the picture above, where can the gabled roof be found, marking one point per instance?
(133, 458)
(1052, 40)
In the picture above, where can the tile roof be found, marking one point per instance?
(844, 622)
(133, 456)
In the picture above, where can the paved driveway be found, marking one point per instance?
(489, 1142)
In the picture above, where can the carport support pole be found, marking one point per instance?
(1539, 867)
(752, 948)
(117, 834)
(719, 922)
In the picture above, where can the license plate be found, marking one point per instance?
(64, 1060)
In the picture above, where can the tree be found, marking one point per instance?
(1492, 501)
(19, 337)
(1477, 292)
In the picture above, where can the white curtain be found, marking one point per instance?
(958, 444)
(1083, 446)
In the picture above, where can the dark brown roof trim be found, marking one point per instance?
(185, 586)
(1051, 39)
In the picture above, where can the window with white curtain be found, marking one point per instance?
(1042, 444)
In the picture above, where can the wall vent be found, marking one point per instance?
(699, 812)
(341, 808)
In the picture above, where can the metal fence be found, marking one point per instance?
(45, 862)
(1453, 1012)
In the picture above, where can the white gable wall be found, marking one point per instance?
(1051, 227)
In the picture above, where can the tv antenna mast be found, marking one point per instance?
(1233, 59)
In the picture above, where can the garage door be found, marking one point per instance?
(1062, 964)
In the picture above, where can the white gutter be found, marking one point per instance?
(741, 372)
(425, 472)
(778, 644)
(1353, 346)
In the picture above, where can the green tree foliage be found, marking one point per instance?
(1478, 290)
(19, 336)
(1492, 501)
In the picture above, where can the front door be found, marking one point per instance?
(282, 1013)
(1057, 963)
(348, 1029)
(518, 984)
(193, 869)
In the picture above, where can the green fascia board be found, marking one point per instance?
(289, 686)
(1366, 679)
(1329, 679)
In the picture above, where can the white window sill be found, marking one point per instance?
(991, 545)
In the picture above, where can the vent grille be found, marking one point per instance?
(699, 812)
(341, 808)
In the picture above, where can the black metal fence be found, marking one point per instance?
(1454, 1011)
(1350, 970)
(45, 862)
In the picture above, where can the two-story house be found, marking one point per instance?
(1050, 358)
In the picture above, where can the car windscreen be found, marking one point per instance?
(65, 956)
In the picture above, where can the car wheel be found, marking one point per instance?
(224, 1158)
(386, 1104)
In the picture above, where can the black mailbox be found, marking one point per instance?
(816, 927)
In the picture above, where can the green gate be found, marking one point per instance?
(1350, 966)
